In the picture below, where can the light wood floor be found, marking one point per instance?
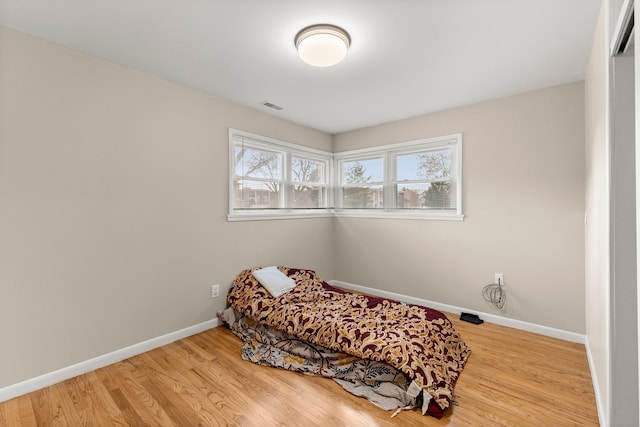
(512, 378)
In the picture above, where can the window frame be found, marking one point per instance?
(333, 194)
(287, 151)
(390, 152)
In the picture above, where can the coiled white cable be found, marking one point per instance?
(495, 294)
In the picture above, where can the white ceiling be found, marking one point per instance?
(408, 57)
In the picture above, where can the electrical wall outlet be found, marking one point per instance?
(499, 279)
(215, 291)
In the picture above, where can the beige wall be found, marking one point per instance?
(113, 203)
(523, 200)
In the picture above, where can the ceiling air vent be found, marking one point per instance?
(270, 105)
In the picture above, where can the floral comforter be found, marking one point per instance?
(420, 342)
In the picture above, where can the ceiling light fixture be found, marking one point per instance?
(322, 45)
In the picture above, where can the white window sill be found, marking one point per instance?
(357, 213)
(281, 214)
(398, 214)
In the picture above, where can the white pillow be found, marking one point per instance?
(274, 281)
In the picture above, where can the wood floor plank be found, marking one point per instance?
(129, 414)
(201, 397)
(47, 410)
(170, 374)
(102, 410)
(10, 414)
(512, 379)
(132, 395)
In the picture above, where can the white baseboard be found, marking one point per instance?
(602, 417)
(492, 318)
(80, 368)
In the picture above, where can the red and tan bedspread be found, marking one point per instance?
(418, 341)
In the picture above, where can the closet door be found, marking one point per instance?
(624, 296)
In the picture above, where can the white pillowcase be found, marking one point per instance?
(274, 281)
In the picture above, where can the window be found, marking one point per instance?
(271, 178)
(422, 180)
(419, 179)
(362, 183)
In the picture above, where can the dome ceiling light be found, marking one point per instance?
(322, 45)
